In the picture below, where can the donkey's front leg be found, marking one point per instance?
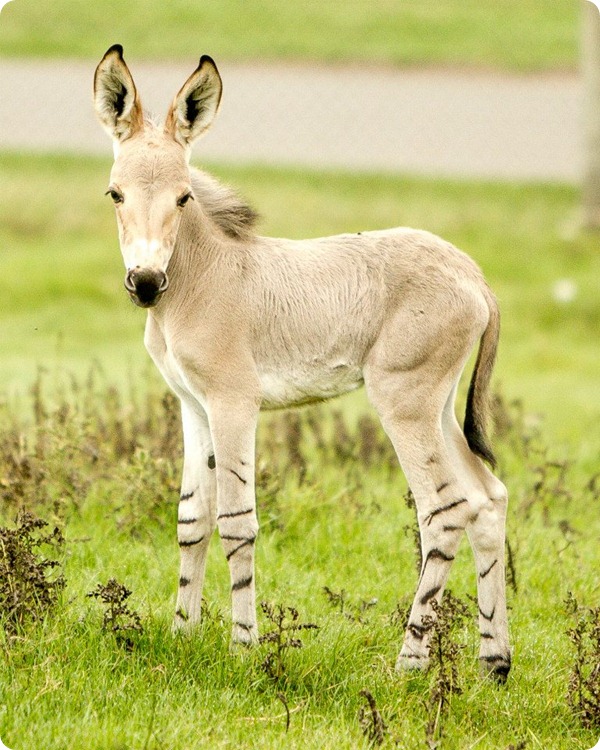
(233, 427)
(197, 512)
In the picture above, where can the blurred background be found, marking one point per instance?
(477, 121)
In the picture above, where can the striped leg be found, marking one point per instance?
(233, 427)
(412, 420)
(197, 513)
(443, 511)
(487, 537)
(486, 533)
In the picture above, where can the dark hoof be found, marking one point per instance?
(496, 667)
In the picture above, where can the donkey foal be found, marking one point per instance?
(237, 322)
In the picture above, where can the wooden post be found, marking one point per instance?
(590, 58)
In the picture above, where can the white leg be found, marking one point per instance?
(197, 512)
(443, 511)
(233, 427)
(453, 491)
(486, 532)
(412, 418)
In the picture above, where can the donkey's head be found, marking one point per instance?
(150, 181)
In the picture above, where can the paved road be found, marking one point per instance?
(418, 121)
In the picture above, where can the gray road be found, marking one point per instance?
(424, 122)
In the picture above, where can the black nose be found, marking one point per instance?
(145, 285)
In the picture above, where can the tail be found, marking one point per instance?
(477, 398)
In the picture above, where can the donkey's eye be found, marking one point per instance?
(115, 196)
(184, 199)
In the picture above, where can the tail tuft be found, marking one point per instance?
(477, 398)
(476, 435)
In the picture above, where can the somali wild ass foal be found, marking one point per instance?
(238, 322)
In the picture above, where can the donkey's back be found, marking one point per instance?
(319, 307)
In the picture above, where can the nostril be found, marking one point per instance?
(164, 284)
(129, 283)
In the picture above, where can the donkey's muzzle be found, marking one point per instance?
(145, 285)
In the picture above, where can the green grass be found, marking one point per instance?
(66, 684)
(519, 35)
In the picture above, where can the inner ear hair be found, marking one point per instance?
(115, 96)
(196, 103)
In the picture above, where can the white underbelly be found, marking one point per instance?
(296, 387)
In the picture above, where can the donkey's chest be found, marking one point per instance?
(303, 385)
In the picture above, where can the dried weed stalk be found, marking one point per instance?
(372, 724)
(354, 611)
(412, 530)
(583, 692)
(118, 618)
(282, 637)
(444, 654)
(29, 584)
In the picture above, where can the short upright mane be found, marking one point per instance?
(229, 212)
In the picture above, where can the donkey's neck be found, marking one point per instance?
(205, 263)
(196, 249)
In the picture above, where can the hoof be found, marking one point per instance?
(183, 622)
(495, 667)
(244, 635)
(412, 663)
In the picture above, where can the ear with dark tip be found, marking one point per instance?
(115, 97)
(195, 106)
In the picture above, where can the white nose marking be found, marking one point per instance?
(144, 253)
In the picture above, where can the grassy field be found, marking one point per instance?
(106, 472)
(521, 35)
(103, 464)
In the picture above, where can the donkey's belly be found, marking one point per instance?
(293, 388)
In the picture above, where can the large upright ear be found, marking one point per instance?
(115, 97)
(195, 106)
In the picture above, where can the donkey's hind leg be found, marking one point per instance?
(411, 416)
(197, 512)
(486, 532)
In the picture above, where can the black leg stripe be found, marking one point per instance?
(434, 554)
(454, 528)
(191, 542)
(182, 615)
(242, 584)
(235, 514)
(183, 581)
(487, 636)
(437, 554)
(232, 538)
(442, 486)
(211, 461)
(428, 596)
(187, 495)
(187, 520)
(489, 617)
(485, 572)
(245, 543)
(495, 658)
(242, 480)
(417, 631)
(444, 508)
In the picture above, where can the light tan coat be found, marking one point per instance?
(238, 322)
